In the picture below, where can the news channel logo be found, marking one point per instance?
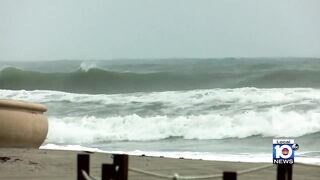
(283, 151)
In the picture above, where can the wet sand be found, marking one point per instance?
(32, 164)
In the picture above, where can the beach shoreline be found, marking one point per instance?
(61, 164)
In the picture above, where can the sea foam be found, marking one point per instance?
(196, 114)
(257, 157)
(274, 123)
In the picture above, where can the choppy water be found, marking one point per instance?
(105, 77)
(182, 108)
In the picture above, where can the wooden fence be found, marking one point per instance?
(118, 170)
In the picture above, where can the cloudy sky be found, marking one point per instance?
(109, 29)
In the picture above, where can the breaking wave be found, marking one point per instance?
(196, 114)
(273, 123)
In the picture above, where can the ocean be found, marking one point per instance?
(216, 109)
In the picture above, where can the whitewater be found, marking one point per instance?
(190, 124)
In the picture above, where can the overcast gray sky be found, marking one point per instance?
(102, 29)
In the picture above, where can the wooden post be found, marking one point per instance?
(284, 172)
(83, 163)
(229, 176)
(108, 172)
(122, 162)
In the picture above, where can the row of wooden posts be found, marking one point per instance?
(118, 170)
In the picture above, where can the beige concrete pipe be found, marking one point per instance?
(22, 124)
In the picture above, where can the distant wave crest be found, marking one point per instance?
(86, 66)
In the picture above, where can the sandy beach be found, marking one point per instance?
(56, 164)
